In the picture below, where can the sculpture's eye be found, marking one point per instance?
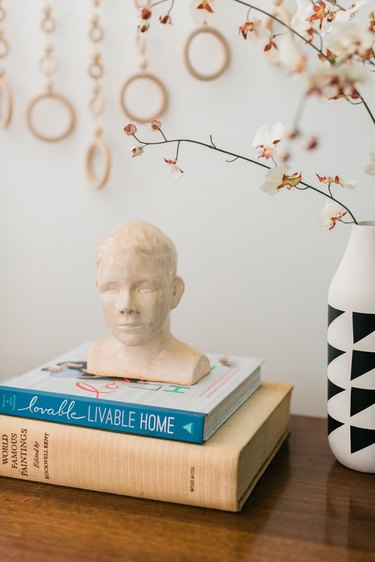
(109, 290)
(145, 290)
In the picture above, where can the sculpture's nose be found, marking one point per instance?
(127, 303)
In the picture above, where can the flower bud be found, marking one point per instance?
(130, 129)
(155, 124)
(145, 13)
(165, 19)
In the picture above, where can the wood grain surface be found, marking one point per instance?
(305, 507)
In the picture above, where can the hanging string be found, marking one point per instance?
(48, 68)
(96, 104)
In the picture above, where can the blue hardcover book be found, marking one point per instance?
(63, 391)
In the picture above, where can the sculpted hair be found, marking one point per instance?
(143, 237)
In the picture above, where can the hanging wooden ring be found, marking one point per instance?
(152, 78)
(7, 99)
(48, 24)
(4, 47)
(96, 33)
(98, 144)
(96, 103)
(225, 48)
(64, 102)
(96, 70)
(48, 65)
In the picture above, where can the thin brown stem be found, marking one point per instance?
(238, 157)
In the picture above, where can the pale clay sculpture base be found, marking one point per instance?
(138, 287)
(178, 364)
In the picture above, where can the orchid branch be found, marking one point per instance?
(236, 156)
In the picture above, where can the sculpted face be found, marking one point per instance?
(137, 295)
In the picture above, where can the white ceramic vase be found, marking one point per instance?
(351, 353)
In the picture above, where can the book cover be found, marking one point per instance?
(219, 474)
(62, 391)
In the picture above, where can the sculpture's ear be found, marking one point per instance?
(178, 287)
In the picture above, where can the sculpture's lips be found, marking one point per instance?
(130, 325)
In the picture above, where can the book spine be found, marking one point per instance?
(123, 464)
(121, 417)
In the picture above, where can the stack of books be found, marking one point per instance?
(204, 445)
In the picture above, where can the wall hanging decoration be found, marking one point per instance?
(48, 67)
(200, 13)
(96, 106)
(6, 97)
(142, 74)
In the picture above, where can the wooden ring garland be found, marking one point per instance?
(225, 49)
(152, 78)
(47, 65)
(98, 144)
(63, 101)
(8, 98)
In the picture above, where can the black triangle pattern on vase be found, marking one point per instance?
(333, 353)
(360, 438)
(363, 325)
(360, 399)
(333, 313)
(333, 424)
(333, 389)
(362, 362)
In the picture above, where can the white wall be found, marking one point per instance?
(257, 268)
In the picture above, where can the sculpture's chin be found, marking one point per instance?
(131, 336)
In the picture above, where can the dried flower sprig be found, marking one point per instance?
(277, 177)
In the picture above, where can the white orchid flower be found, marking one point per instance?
(330, 214)
(299, 20)
(256, 32)
(277, 178)
(351, 184)
(173, 168)
(267, 138)
(136, 150)
(348, 38)
(290, 56)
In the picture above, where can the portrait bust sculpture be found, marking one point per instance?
(138, 287)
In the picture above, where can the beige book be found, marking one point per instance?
(219, 474)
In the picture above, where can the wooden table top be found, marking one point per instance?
(305, 507)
